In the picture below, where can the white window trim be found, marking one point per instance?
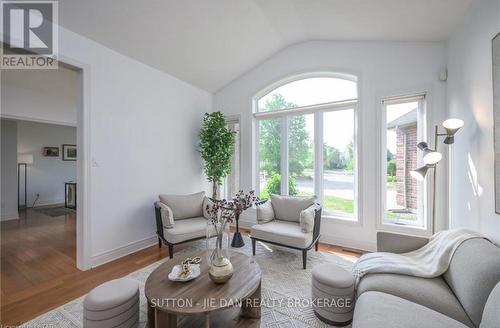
(424, 230)
(233, 119)
(317, 111)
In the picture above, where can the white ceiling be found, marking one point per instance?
(211, 42)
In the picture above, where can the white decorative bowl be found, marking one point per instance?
(176, 271)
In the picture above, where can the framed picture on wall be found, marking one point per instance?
(51, 151)
(69, 152)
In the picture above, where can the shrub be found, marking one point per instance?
(273, 186)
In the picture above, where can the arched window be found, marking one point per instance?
(305, 141)
(310, 91)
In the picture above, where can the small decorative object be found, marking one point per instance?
(51, 151)
(216, 148)
(188, 270)
(221, 213)
(69, 152)
(241, 202)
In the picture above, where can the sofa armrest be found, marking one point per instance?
(398, 243)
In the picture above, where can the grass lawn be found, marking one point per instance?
(338, 204)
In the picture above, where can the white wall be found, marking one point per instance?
(9, 170)
(143, 141)
(41, 95)
(47, 175)
(384, 69)
(470, 97)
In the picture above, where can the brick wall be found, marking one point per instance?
(406, 143)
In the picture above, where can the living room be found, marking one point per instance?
(351, 128)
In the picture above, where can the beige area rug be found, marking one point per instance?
(282, 278)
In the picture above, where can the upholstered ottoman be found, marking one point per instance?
(333, 294)
(112, 304)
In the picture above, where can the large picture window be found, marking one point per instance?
(403, 129)
(305, 138)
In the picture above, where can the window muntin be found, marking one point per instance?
(339, 162)
(403, 194)
(319, 90)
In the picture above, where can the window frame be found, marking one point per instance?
(317, 110)
(423, 194)
(233, 119)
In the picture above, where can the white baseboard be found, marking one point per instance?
(348, 242)
(111, 255)
(327, 239)
(10, 217)
(48, 202)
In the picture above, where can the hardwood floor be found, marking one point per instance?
(38, 265)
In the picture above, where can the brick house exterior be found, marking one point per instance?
(406, 160)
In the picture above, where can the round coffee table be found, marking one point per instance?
(201, 302)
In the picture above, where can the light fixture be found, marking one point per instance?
(23, 160)
(451, 126)
(431, 156)
(420, 173)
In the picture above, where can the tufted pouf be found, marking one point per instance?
(333, 294)
(112, 304)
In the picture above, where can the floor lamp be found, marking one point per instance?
(431, 158)
(22, 162)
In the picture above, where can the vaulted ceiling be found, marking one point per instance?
(210, 42)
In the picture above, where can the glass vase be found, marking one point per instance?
(219, 254)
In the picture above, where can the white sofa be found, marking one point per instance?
(180, 219)
(293, 222)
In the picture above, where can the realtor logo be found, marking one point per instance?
(29, 35)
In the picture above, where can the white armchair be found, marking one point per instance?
(293, 222)
(180, 219)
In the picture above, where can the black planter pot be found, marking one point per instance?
(237, 241)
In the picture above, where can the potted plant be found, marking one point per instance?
(216, 148)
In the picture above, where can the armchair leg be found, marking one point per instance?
(253, 247)
(316, 246)
(159, 243)
(170, 250)
(304, 259)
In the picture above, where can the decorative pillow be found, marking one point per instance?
(184, 206)
(265, 212)
(307, 219)
(206, 202)
(288, 208)
(167, 218)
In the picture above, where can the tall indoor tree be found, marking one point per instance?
(216, 148)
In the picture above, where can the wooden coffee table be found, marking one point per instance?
(201, 302)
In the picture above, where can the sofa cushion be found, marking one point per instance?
(288, 208)
(186, 229)
(306, 218)
(207, 203)
(265, 212)
(167, 217)
(473, 273)
(381, 310)
(282, 232)
(491, 314)
(432, 293)
(184, 206)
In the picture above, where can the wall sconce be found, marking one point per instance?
(431, 158)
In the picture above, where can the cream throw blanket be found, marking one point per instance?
(430, 261)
